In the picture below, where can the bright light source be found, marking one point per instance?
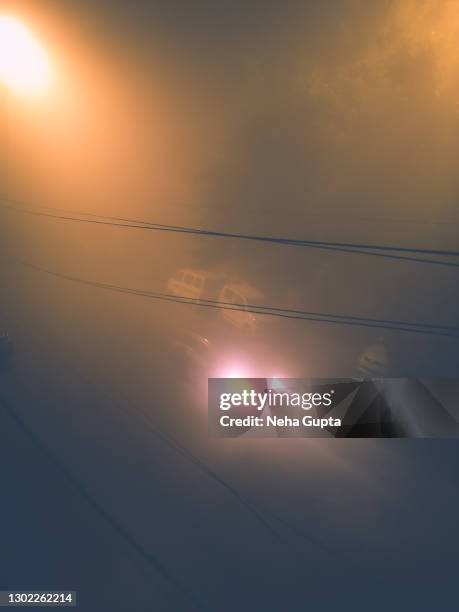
(234, 372)
(24, 67)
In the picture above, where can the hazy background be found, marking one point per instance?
(324, 121)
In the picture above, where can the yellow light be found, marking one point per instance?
(24, 66)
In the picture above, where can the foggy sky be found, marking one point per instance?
(331, 121)
(324, 120)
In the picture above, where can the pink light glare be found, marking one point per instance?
(243, 368)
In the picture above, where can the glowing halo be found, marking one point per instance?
(24, 65)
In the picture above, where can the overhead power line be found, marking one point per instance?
(286, 313)
(386, 251)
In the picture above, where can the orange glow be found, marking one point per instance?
(24, 66)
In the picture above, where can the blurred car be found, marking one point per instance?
(195, 349)
(191, 283)
(374, 362)
(238, 297)
(235, 297)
